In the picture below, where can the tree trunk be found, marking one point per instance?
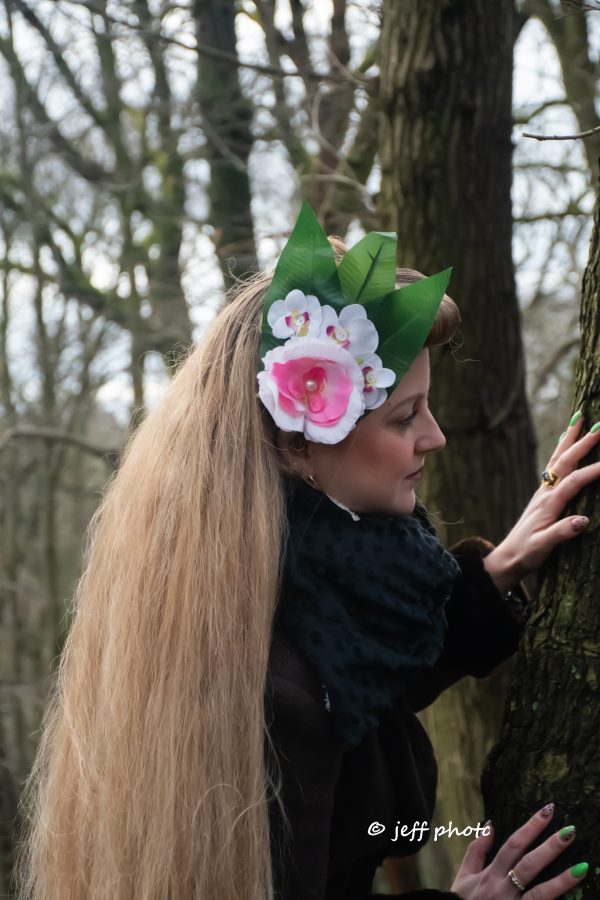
(226, 118)
(550, 744)
(8, 821)
(445, 139)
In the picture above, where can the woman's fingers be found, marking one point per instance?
(573, 447)
(564, 530)
(559, 885)
(476, 879)
(567, 438)
(532, 863)
(569, 486)
(516, 846)
(473, 862)
(528, 865)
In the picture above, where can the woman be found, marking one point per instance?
(190, 749)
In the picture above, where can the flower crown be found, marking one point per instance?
(322, 324)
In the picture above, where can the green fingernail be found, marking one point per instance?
(566, 831)
(579, 870)
(562, 435)
(575, 417)
(595, 428)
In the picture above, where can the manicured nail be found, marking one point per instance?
(547, 811)
(575, 417)
(562, 435)
(579, 870)
(595, 428)
(567, 833)
(580, 522)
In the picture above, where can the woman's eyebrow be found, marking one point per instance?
(406, 399)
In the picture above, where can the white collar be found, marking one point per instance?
(354, 515)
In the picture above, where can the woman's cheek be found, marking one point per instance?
(401, 447)
(390, 450)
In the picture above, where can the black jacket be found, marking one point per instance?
(332, 795)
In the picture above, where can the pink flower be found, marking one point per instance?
(313, 386)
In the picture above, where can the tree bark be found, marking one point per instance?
(445, 146)
(550, 744)
(226, 118)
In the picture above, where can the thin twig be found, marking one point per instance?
(562, 137)
(215, 53)
(579, 6)
(203, 49)
(524, 118)
(339, 179)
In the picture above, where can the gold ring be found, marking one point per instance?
(549, 477)
(516, 881)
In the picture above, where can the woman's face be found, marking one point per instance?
(368, 471)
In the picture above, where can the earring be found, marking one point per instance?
(310, 478)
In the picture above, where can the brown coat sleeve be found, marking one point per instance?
(482, 632)
(310, 758)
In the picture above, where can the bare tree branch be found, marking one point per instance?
(525, 117)
(88, 169)
(54, 435)
(579, 6)
(276, 43)
(223, 56)
(579, 70)
(562, 137)
(545, 216)
(552, 362)
(59, 60)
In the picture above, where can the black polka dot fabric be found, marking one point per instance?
(364, 601)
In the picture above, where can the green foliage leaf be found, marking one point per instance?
(307, 263)
(368, 270)
(404, 318)
(367, 274)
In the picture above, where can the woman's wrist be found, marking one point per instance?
(503, 568)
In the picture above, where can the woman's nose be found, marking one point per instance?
(433, 438)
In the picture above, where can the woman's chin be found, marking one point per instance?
(412, 500)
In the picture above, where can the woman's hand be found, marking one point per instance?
(539, 529)
(474, 882)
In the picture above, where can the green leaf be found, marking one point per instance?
(368, 270)
(404, 318)
(307, 263)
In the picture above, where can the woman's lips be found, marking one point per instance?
(416, 475)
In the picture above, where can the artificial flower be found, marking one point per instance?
(351, 329)
(313, 386)
(376, 378)
(299, 315)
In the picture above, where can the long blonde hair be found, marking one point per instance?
(150, 781)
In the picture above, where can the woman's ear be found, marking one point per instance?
(294, 452)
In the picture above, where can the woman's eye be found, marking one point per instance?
(407, 421)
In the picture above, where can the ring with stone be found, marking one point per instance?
(516, 881)
(549, 477)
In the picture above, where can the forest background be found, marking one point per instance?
(152, 153)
